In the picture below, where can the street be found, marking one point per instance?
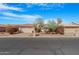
(39, 46)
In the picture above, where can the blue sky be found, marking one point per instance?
(24, 13)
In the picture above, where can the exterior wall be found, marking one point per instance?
(26, 29)
(67, 30)
(71, 31)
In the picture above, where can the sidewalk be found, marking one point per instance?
(21, 35)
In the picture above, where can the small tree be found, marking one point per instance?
(59, 21)
(39, 23)
(60, 28)
(51, 25)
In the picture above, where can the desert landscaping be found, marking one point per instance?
(40, 29)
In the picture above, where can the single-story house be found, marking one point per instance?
(9, 28)
(71, 29)
(26, 28)
(2, 28)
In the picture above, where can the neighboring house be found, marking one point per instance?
(26, 28)
(9, 28)
(2, 28)
(71, 29)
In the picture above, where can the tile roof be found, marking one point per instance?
(31, 25)
(26, 25)
(70, 26)
(17, 25)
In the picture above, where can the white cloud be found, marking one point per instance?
(29, 5)
(5, 7)
(30, 16)
(9, 14)
(23, 17)
(42, 4)
(45, 5)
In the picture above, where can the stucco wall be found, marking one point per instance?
(67, 31)
(26, 30)
(71, 31)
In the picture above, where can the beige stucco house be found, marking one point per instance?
(26, 28)
(70, 29)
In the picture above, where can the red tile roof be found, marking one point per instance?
(26, 25)
(71, 26)
(18, 25)
(31, 25)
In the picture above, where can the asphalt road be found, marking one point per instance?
(39, 46)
